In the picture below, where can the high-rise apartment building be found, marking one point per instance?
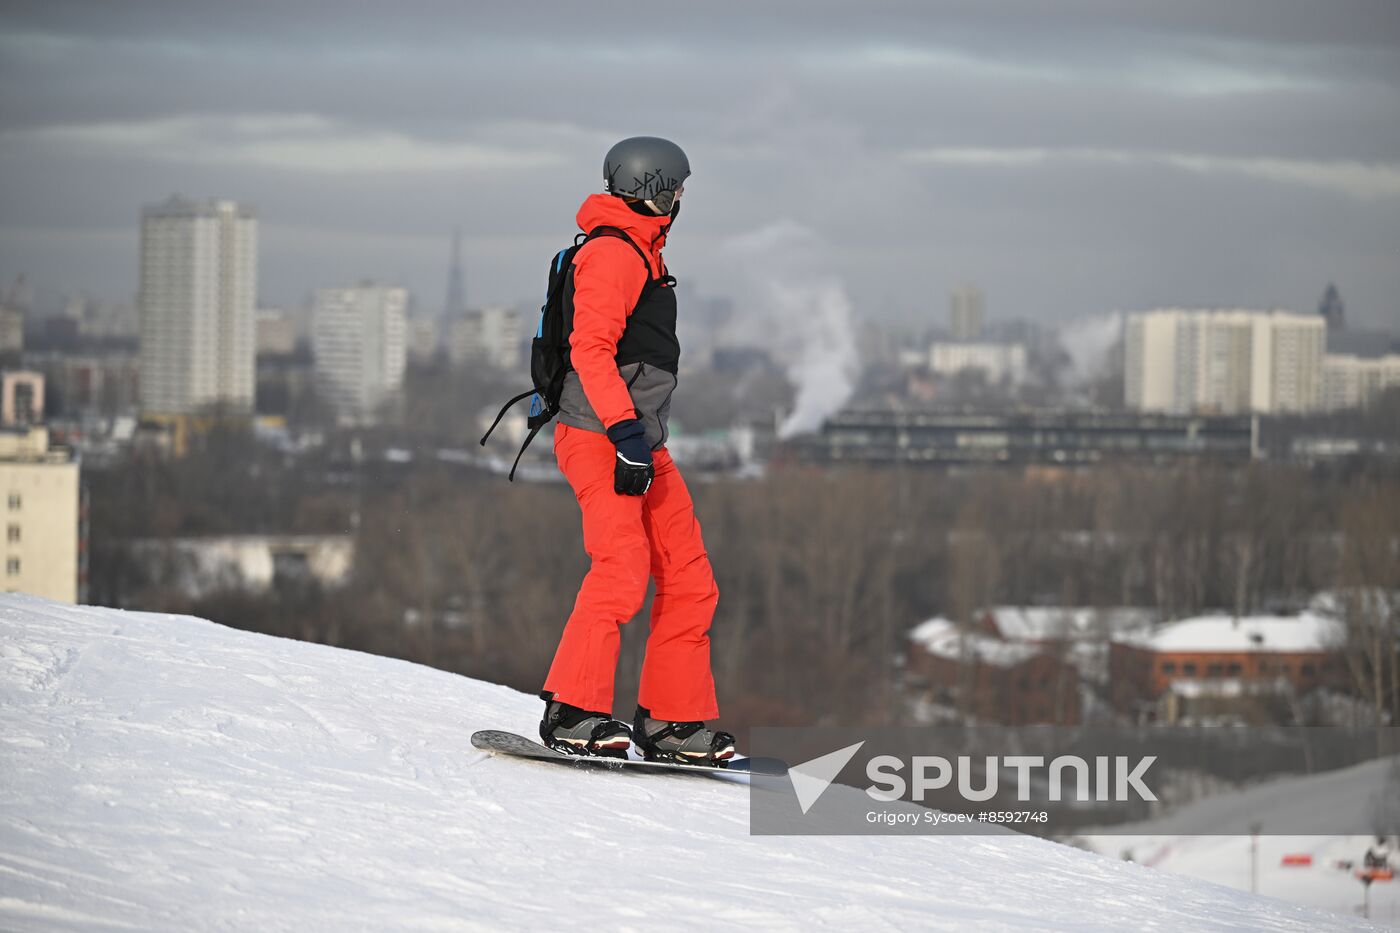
(199, 278)
(965, 313)
(358, 337)
(1182, 361)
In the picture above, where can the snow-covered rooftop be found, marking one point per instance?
(1048, 623)
(1308, 631)
(941, 637)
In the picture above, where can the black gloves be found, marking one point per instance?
(633, 472)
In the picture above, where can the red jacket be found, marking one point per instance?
(608, 278)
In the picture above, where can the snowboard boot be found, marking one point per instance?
(575, 731)
(686, 743)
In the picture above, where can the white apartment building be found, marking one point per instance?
(1001, 362)
(358, 337)
(1357, 381)
(491, 336)
(276, 333)
(965, 313)
(199, 279)
(1181, 361)
(39, 509)
(424, 337)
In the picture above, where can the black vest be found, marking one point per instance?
(650, 335)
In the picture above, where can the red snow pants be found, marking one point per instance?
(629, 539)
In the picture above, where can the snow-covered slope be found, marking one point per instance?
(164, 773)
(1316, 804)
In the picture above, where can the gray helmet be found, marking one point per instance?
(647, 168)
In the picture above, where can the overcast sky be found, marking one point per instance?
(1069, 157)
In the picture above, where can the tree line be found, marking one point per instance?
(821, 570)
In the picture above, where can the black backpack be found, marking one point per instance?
(549, 350)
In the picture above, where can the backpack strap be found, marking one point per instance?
(502, 413)
(561, 259)
(528, 438)
(534, 429)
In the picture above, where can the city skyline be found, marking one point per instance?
(1070, 160)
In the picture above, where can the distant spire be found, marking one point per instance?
(1332, 309)
(456, 293)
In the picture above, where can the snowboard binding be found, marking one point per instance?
(570, 730)
(682, 743)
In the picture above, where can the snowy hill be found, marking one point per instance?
(1316, 804)
(166, 773)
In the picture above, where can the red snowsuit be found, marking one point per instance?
(628, 538)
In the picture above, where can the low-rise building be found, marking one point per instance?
(276, 333)
(1350, 381)
(1216, 659)
(106, 383)
(40, 501)
(999, 362)
(21, 398)
(976, 675)
(1058, 438)
(200, 567)
(1079, 634)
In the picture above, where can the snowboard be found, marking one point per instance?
(508, 743)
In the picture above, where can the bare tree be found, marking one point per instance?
(1368, 587)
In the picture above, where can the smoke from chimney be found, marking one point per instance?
(791, 304)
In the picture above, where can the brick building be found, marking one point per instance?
(992, 680)
(1223, 665)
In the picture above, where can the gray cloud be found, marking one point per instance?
(1072, 157)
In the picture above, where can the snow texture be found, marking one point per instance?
(1306, 632)
(1314, 803)
(1039, 623)
(943, 638)
(166, 773)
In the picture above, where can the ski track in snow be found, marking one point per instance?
(166, 773)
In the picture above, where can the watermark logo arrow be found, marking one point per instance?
(811, 778)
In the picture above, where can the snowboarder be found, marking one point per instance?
(1378, 854)
(638, 519)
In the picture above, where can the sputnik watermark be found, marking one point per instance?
(1115, 779)
(1070, 781)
